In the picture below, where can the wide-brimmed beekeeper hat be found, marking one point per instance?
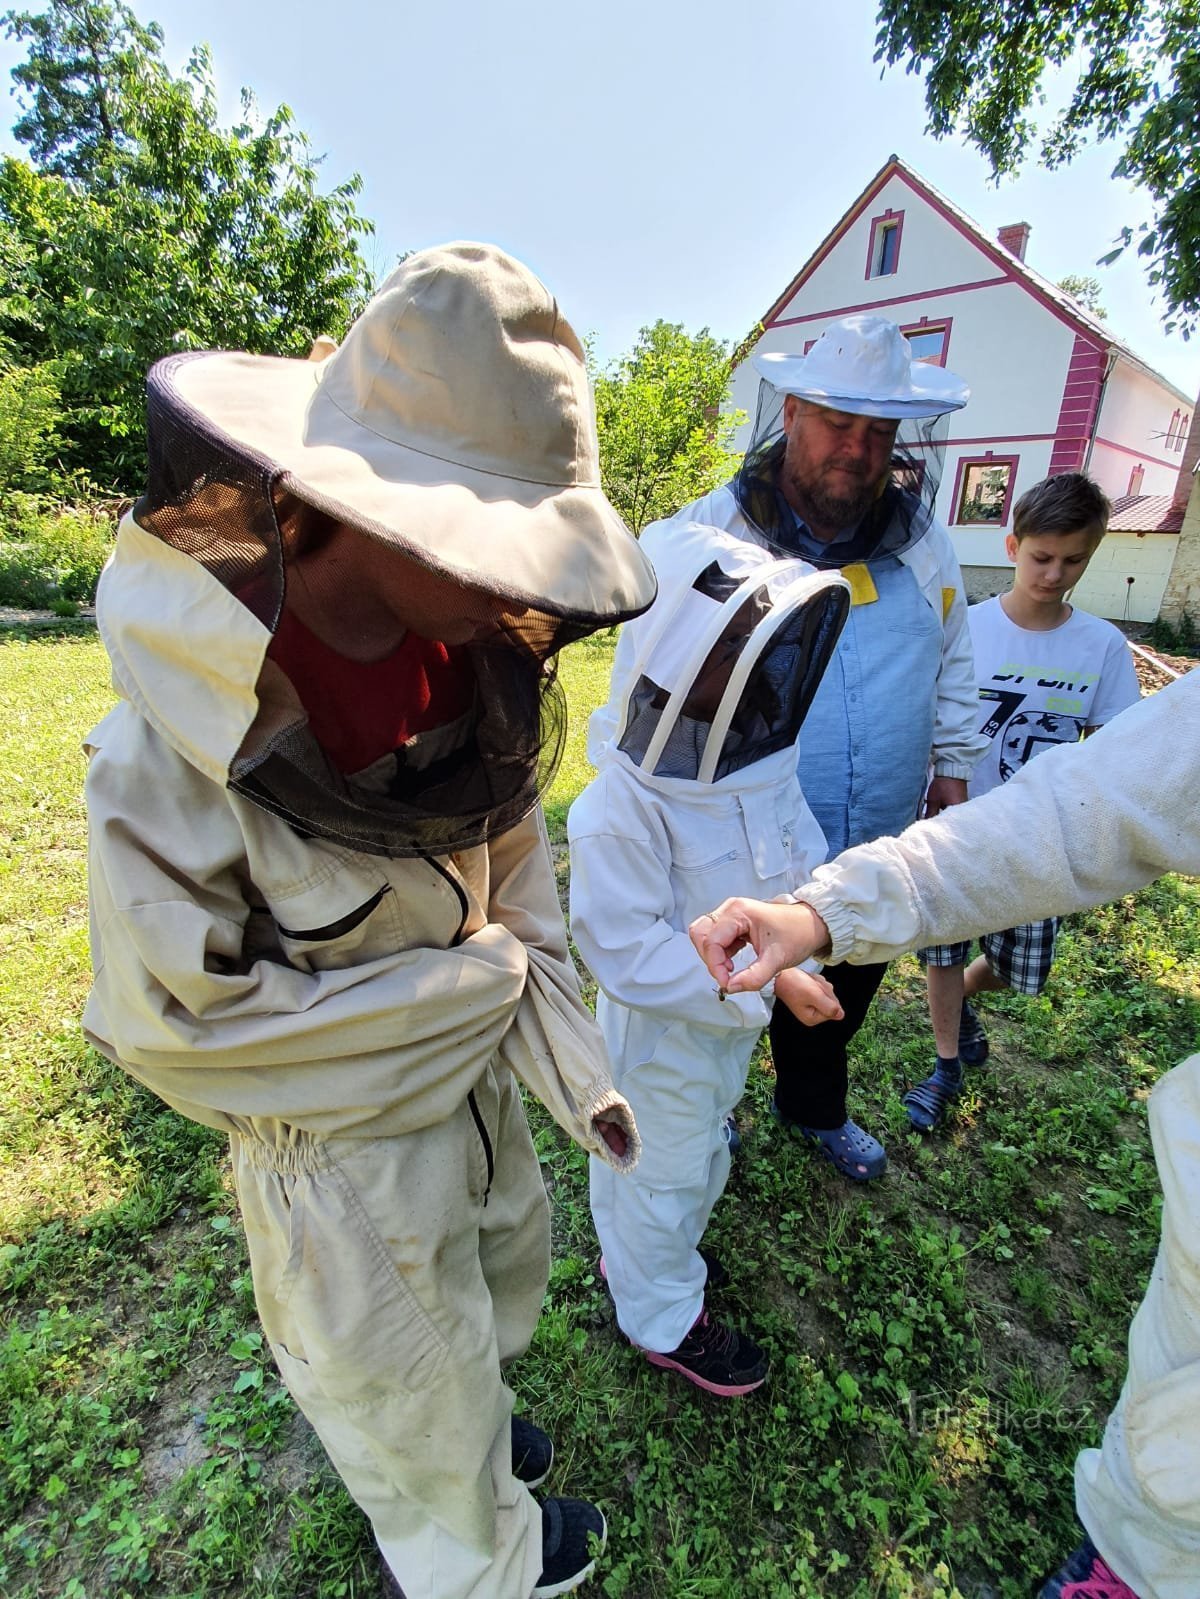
(453, 422)
(864, 365)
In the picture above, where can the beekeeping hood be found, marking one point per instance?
(720, 673)
(861, 365)
(452, 434)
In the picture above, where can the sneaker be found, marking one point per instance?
(972, 1039)
(568, 1525)
(732, 1137)
(1086, 1576)
(717, 1358)
(532, 1453)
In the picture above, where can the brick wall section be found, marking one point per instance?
(1080, 401)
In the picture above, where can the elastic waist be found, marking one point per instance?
(299, 1155)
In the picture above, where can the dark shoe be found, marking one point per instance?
(929, 1101)
(847, 1148)
(732, 1137)
(568, 1525)
(717, 1358)
(972, 1038)
(1086, 1576)
(532, 1453)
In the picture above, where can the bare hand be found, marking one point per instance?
(810, 998)
(944, 792)
(780, 935)
(614, 1135)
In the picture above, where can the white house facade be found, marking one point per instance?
(1052, 389)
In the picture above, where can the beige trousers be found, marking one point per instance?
(392, 1292)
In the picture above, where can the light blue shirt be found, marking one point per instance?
(866, 743)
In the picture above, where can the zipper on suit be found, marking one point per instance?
(459, 890)
(488, 1153)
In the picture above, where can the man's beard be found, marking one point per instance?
(818, 505)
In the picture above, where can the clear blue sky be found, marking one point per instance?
(648, 158)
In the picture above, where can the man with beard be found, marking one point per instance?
(842, 471)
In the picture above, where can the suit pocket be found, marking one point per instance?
(364, 1332)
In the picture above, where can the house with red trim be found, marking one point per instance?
(1052, 388)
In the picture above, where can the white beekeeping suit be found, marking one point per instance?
(696, 798)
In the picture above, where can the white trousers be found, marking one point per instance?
(391, 1296)
(682, 1082)
(1138, 1495)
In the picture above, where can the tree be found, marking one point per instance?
(83, 55)
(1138, 80)
(151, 229)
(663, 438)
(1086, 291)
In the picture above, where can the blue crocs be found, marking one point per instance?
(847, 1148)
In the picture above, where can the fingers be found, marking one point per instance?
(718, 936)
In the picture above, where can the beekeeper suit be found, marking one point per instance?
(323, 912)
(696, 791)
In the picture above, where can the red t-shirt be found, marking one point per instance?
(360, 710)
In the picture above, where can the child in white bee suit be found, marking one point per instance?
(696, 790)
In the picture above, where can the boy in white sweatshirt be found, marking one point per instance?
(696, 797)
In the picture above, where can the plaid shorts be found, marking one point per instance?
(1020, 956)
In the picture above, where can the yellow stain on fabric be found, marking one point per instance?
(947, 602)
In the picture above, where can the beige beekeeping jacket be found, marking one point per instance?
(245, 972)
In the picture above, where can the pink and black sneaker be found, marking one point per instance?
(717, 1358)
(1086, 1575)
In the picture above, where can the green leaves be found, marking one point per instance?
(1139, 79)
(142, 227)
(663, 439)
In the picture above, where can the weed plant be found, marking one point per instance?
(942, 1341)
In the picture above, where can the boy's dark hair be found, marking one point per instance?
(1068, 503)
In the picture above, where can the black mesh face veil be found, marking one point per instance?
(899, 516)
(727, 689)
(445, 789)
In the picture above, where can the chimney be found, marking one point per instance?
(1187, 465)
(1014, 238)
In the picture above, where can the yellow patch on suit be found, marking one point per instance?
(947, 602)
(862, 584)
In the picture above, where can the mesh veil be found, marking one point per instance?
(898, 518)
(787, 630)
(237, 515)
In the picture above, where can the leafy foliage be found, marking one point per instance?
(1086, 291)
(144, 228)
(663, 438)
(29, 409)
(1138, 79)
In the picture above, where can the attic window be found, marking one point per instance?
(928, 340)
(883, 251)
(1184, 424)
(1173, 430)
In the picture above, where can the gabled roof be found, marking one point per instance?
(1145, 513)
(1055, 299)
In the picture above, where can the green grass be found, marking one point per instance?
(943, 1341)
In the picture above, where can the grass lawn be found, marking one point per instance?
(943, 1340)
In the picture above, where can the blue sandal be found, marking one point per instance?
(851, 1151)
(928, 1102)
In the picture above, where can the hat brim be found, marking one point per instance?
(561, 548)
(934, 393)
